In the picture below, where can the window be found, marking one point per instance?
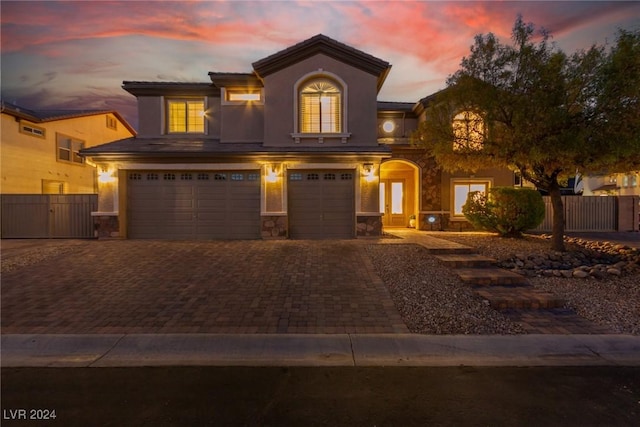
(185, 116)
(33, 130)
(320, 107)
(69, 149)
(461, 190)
(468, 131)
(243, 95)
(112, 123)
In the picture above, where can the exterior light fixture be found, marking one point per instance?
(388, 126)
(105, 176)
(368, 172)
(272, 175)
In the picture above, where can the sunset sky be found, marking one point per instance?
(75, 55)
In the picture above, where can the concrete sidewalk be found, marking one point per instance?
(317, 350)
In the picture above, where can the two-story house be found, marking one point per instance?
(40, 149)
(299, 148)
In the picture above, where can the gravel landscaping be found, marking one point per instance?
(609, 299)
(430, 297)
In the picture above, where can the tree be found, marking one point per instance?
(542, 113)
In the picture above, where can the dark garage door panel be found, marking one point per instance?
(321, 204)
(198, 205)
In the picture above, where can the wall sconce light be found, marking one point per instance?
(388, 126)
(105, 175)
(272, 175)
(368, 172)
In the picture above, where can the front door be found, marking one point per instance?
(392, 203)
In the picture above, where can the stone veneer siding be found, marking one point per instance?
(274, 227)
(106, 226)
(369, 226)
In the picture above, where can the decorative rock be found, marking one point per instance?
(581, 274)
(566, 273)
(614, 271)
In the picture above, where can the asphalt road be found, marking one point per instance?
(392, 396)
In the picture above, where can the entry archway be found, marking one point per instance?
(399, 192)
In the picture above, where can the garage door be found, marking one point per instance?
(321, 204)
(194, 205)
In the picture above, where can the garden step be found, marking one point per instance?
(492, 276)
(502, 298)
(466, 260)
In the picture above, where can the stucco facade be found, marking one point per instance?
(35, 158)
(299, 148)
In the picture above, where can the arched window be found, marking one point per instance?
(320, 105)
(468, 131)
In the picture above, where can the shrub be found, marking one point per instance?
(506, 210)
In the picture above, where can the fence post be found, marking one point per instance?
(628, 213)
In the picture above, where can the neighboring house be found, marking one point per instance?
(298, 148)
(40, 149)
(618, 184)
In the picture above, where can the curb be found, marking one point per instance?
(358, 350)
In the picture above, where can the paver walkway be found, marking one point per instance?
(136, 286)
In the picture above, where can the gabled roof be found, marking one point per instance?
(327, 46)
(43, 116)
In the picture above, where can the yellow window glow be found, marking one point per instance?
(397, 198)
(243, 96)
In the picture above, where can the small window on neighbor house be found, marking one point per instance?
(169, 176)
(320, 109)
(461, 191)
(220, 177)
(203, 176)
(468, 131)
(253, 177)
(185, 116)
(33, 130)
(237, 177)
(112, 123)
(346, 176)
(330, 176)
(134, 176)
(69, 149)
(313, 177)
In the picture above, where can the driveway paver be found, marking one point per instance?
(140, 286)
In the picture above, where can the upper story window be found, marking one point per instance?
(243, 95)
(185, 115)
(320, 107)
(468, 131)
(69, 149)
(112, 123)
(33, 130)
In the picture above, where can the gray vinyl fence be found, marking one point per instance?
(41, 216)
(584, 213)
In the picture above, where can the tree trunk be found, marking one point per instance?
(557, 234)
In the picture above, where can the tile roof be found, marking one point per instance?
(163, 147)
(328, 46)
(42, 116)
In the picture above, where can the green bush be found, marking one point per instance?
(506, 210)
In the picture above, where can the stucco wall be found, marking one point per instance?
(361, 92)
(27, 160)
(242, 123)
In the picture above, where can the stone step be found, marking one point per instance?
(459, 250)
(466, 260)
(503, 298)
(491, 276)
